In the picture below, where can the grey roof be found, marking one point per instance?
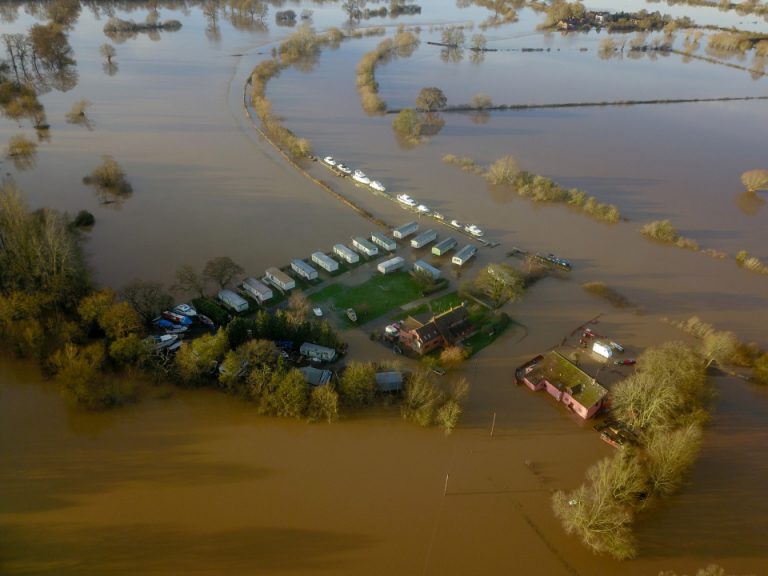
(389, 381)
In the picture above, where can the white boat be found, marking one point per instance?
(422, 209)
(329, 160)
(157, 343)
(438, 216)
(351, 314)
(405, 199)
(344, 168)
(376, 185)
(474, 230)
(185, 310)
(456, 224)
(359, 176)
(317, 311)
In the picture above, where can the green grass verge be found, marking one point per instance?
(491, 329)
(371, 299)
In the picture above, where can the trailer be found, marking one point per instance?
(278, 278)
(444, 246)
(422, 267)
(232, 300)
(405, 230)
(464, 255)
(346, 254)
(303, 269)
(424, 238)
(391, 265)
(260, 291)
(325, 262)
(364, 247)
(384, 241)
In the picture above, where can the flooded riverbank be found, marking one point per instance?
(196, 482)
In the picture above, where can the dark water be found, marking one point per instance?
(198, 483)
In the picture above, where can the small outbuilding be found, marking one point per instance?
(260, 291)
(389, 381)
(316, 376)
(405, 230)
(325, 262)
(278, 278)
(345, 253)
(391, 265)
(602, 349)
(384, 241)
(303, 269)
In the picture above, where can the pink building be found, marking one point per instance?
(564, 381)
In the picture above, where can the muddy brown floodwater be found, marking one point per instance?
(194, 482)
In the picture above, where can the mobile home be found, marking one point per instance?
(444, 246)
(325, 262)
(424, 268)
(464, 255)
(278, 278)
(260, 291)
(423, 239)
(317, 352)
(233, 301)
(303, 269)
(391, 265)
(384, 241)
(343, 252)
(405, 230)
(364, 247)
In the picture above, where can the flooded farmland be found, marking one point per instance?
(196, 482)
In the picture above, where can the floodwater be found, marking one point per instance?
(194, 482)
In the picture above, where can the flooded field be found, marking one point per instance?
(195, 482)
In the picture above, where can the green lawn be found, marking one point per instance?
(492, 328)
(371, 299)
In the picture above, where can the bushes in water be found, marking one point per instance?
(663, 231)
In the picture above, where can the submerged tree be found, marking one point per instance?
(109, 178)
(221, 270)
(431, 99)
(77, 114)
(755, 180)
(21, 151)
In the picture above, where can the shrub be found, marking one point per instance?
(503, 172)
(20, 146)
(84, 219)
(422, 397)
(663, 231)
(357, 386)
(211, 309)
(600, 290)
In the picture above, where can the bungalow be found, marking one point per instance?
(565, 382)
(446, 329)
(325, 262)
(260, 291)
(343, 252)
(317, 352)
(303, 269)
(364, 247)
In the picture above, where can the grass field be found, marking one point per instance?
(371, 299)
